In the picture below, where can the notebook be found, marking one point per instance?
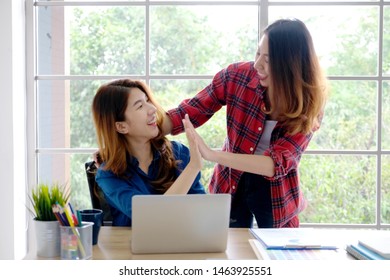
(180, 223)
(360, 252)
(294, 238)
(292, 254)
(379, 244)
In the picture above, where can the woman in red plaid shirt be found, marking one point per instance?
(273, 106)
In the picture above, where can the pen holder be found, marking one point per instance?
(76, 242)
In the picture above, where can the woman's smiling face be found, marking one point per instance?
(140, 116)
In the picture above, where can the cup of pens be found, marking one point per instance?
(76, 242)
(75, 235)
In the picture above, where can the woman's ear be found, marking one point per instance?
(121, 127)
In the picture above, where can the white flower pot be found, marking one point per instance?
(47, 238)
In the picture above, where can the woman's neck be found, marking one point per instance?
(143, 152)
(268, 107)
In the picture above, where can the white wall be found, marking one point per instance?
(12, 130)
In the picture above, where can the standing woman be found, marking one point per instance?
(136, 158)
(273, 106)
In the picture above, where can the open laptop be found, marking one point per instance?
(180, 223)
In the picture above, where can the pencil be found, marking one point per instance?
(75, 232)
(79, 218)
(58, 217)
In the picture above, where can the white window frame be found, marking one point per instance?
(32, 79)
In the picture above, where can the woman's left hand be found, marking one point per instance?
(205, 151)
(196, 158)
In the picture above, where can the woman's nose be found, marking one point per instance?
(258, 64)
(152, 109)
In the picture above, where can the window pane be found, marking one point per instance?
(339, 189)
(386, 116)
(386, 41)
(337, 35)
(385, 195)
(67, 169)
(64, 113)
(350, 116)
(170, 92)
(201, 39)
(100, 41)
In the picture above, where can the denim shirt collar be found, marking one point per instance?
(133, 165)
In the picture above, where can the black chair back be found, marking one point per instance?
(96, 194)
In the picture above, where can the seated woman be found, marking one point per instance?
(136, 157)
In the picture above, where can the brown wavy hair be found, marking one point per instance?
(109, 106)
(299, 85)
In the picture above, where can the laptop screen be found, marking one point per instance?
(180, 223)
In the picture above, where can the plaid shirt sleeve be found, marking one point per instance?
(286, 152)
(201, 107)
(286, 195)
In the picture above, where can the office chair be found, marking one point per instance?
(97, 196)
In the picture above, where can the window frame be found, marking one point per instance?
(32, 79)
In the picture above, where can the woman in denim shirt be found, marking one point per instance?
(136, 158)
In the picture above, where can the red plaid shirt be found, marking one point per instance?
(237, 87)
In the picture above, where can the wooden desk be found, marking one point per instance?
(114, 244)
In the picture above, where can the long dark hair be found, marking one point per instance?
(299, 86)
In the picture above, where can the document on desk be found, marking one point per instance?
(293, 238)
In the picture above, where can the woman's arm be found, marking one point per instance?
(119, 192)
(257, 164)
(167, 125)
(185, 180)
(283, 156)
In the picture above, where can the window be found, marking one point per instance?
(177, 47)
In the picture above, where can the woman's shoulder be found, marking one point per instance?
(241, 66)
(101, 172)
(178, 147)
(239, 72)
(180, 151)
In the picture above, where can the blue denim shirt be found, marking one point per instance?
(119, 192)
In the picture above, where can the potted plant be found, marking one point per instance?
(47, 230)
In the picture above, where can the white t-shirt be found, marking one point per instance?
(266, 137)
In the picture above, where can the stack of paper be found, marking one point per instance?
(294, 238)
(362, 253)
(293, 244)
(378, 244)
(375, 247)
(292, 254)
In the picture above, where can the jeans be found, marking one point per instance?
(252, 199)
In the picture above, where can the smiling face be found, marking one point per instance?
(140, 117)
(262, 62)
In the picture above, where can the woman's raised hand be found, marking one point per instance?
(202, 147)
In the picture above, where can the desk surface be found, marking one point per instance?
(114, 244)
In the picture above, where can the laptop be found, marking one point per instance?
(194, 223)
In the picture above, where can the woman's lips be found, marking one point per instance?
(262, 76)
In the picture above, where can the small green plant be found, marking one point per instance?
(43, 196)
